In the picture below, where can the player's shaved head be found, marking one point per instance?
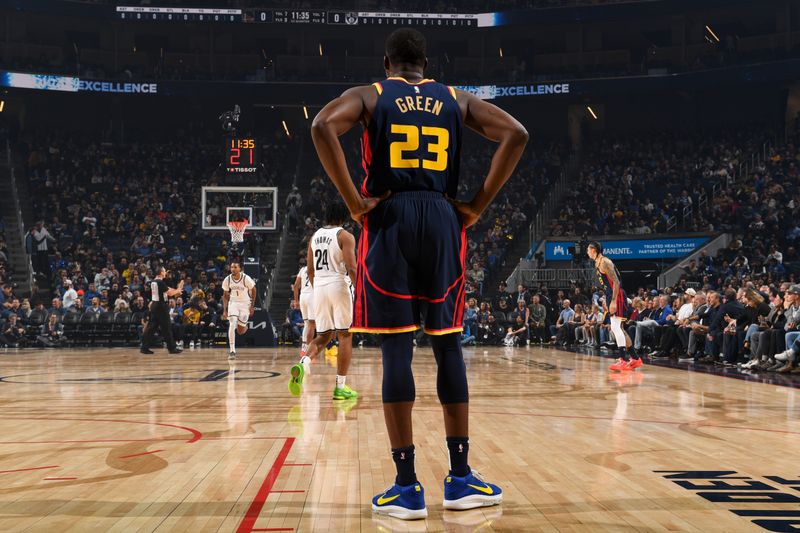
(406, 46)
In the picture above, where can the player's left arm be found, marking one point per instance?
(348, 245)
(607, 267)
(496, 125)
(335, 119)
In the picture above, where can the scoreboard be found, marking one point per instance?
(301, 16)
(241, 156)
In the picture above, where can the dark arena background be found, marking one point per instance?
(142, 135)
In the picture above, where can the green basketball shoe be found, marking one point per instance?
(296, 380)
(344, 393)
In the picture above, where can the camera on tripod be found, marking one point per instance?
(230, 119)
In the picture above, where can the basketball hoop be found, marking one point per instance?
(237, 228)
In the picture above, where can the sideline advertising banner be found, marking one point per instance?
(631, 249)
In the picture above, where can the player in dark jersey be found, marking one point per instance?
(618, 308)
(412, 248)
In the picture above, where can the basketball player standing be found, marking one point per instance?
(304, 296)
(331, 260)
(618, 308)
(412, 247)
(238, 301)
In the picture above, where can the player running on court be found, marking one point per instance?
(331, 260)
(618, 309)
(304, 296)
(238, 301)
(412, 248)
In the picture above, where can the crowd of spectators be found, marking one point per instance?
(636, 185)
(113, 213)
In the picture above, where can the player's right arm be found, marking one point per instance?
(226, 296)
(335, 119)
(500, 127)
(348, 245)
(310, 264)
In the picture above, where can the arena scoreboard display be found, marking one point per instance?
(300, 16)
(241, 156)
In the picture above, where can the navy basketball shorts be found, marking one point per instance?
(411, 257)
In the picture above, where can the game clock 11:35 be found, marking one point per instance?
(241, 156)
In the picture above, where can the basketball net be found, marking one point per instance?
(237, 228)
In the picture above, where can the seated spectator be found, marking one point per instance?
(52, 333)
(650, 326)
(537, 314)
(560, 330)
(590, 329)
(669, 335)
(13, 307)
(576, 325)
(471, 315)
(292, 328)
(13, 333)
(56, 308)
(766, 341)
(491, 333)
(95, 308)
(517, 333)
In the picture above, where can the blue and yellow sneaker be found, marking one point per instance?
(405, 503)
(469, 492)
(296, 375)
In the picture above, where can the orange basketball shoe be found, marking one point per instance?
(633, 364)
(620, 366)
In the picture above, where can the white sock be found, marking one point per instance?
(340, 381)
(232, 333)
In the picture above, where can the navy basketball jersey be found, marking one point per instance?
(413, 142)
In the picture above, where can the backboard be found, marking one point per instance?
(220, 205)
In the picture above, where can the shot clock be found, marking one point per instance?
(241, 156)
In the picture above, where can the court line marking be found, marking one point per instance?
(253, 512)
(196, 434)
(59, 478)
(139, 454)
(708, 370)
(27, 469)
(697, 423)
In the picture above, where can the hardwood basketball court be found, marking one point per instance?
(109, 440)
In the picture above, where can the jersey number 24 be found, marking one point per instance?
(322, 259)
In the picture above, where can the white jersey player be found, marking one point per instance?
(331, 259)
(304, 296)
(238, 301)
